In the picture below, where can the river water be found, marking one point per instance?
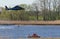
(17, 31)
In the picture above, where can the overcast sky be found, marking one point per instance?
(11, 3)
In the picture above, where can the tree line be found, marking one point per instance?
(38, 10)
(49, 9)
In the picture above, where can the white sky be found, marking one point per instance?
(11, 3)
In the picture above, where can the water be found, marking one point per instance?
(17, 31)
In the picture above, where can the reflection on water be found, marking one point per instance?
(20, 31)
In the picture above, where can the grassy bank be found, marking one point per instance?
(57, 22)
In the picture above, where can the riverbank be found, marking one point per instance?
(57, 22)
(39, 38)
(30, 38)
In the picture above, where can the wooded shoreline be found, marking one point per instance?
(57, 22)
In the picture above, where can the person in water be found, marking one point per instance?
(34, 36)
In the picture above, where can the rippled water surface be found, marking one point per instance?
(16, 31)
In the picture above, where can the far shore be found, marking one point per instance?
(57, 22)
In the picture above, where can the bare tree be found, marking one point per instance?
(35, 5)
(44, 4)
(58, 7)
